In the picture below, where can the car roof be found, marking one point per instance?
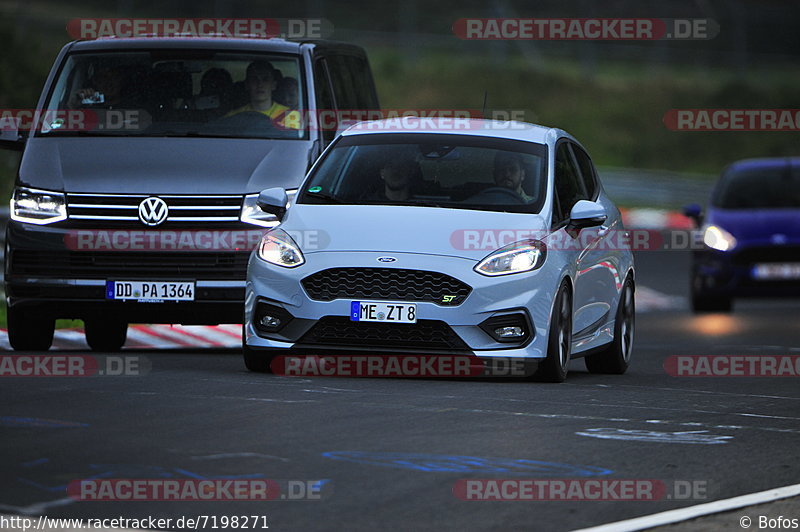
(211, 43)
(512, 130)
(764, 162)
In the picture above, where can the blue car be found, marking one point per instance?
(750, 235)
(489, 241)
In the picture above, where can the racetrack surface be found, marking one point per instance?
(390, 451)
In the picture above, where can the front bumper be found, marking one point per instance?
(730, 274)
(530, 294)
(45, 272)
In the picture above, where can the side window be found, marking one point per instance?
(569, 187)
(362, 82)
(322, 88)
(588, 174)
(344, 90)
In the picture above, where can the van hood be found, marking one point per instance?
(130, 165)
(463, 233)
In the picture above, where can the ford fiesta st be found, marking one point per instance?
(494, 239)
(750, 234)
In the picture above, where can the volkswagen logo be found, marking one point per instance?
(386, 259)
(153, 211)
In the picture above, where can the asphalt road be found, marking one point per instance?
(389, 451)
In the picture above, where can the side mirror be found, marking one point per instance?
(695, 212)
(273, 201)
(585, 214)
(9, 134)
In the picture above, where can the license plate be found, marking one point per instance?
(150, 291)
(383, 312)
(777, 271)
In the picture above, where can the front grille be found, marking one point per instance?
(102, 265)
(125, 208)
(425, 334)
(767, 254)
(386, 283)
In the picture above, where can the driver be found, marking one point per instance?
(260, 81)
(509, 172)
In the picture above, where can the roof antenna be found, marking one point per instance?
(485, 97)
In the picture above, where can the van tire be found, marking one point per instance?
(105, 335)
(28, 332)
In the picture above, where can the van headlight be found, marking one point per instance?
(278, 248)
(38, 207)
(718, 238)
(518, 257)
(251, 214)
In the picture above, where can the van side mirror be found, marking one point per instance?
(695, 212)
(585, 214)
(273, 201)
(10, 137)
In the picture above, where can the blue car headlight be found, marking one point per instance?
(38, 207)
(278, 248)
(518, 257)
(718, 238)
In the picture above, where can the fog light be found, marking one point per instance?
(270, 318)
(511, 328)
(509, 332)
(270, 322)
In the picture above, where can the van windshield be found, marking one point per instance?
(178, 93)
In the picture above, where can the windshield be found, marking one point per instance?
(770, 187)
(178, 93)
(436, 170)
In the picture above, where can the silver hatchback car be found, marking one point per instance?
(490, 239)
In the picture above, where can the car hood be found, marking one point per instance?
(461, 233)
(163, 165)
(759, 225)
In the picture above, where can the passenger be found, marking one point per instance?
(287, 92)
(105, 89)
(260, 81)
(396, 175)
(509, 172)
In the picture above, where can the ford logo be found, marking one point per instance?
(386, 259)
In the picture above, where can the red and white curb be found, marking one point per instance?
(655, 219)
(154, 337)
(230, 335)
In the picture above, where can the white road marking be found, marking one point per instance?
(700, 510)
(694, 437)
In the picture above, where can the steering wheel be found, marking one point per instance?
(502, 193)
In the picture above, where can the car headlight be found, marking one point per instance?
(718, 238)
(251, 214)
(278, 248)
(518, 257)
(38, 207)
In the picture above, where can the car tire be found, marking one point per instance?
(559, 341)
(27, 332)
(105, 335)
(616, 356)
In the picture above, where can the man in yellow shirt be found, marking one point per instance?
(260, 81)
